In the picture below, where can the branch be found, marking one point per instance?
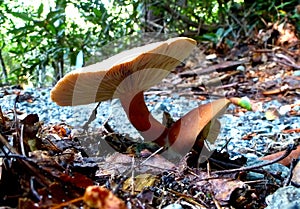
(4, 71)
(186, 20)
(179, 16)
(284, 155)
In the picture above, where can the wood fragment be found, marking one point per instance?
(218, 80)
(224, 66)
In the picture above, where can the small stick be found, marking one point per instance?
(154, 153)
(132, 176)
(2, 116)
(292, 166)
(92, 117)
(21, 140)
(287, 152)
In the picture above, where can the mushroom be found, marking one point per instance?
(184, 133)
(126, 76)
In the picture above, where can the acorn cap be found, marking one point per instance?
(128, 72)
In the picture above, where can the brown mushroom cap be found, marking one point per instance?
(128, 72)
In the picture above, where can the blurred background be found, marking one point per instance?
(41, 40)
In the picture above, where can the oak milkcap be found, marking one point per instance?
(125, 76)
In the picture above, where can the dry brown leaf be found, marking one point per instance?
(140, 182)
(121, 163)
(102, 198)
(272, 113)
(222, 188)
(287, 34)
(96, 197)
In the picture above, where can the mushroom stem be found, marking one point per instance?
(140, 117)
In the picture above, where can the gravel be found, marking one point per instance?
(267, 134)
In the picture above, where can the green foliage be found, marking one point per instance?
(41, 45)
(42, 42)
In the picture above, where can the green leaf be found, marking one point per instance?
(245, 103)
(22, 30)
(220, 32)
(226, 32)
(39, 23)
(52, 16)
(23, 16)
(51, 28)
(16, 30)
(40, 9)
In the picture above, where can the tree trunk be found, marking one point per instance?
(60, 38)
(154, 21)
(4, 71)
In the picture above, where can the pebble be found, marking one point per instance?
(266, 133)
(285, 197)
(173, 206)
(234, 128)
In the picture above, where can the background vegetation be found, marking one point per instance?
(41, 40)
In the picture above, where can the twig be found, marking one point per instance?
(2, 118)
(22, 140)
(154, 153)
(217, 204)
(224, 66)
(292, 166)
(33, 171)
(287, 152)
(15, 116)
(227, 85)
(92, 117)
(9, 147)
(132, 175)
(15, 156)
(221, 163)
(189, 198)
(154, 25)
(33, 191)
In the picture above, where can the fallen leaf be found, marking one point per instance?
(140, 182)
(122, 163)
(272, 114)
(287, 35)
(102, 198)
(222, 188)
(96, 197)
(243, 102)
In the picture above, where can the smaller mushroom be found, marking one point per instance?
(184, 133)
(126, 76)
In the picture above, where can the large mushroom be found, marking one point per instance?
(126, 76)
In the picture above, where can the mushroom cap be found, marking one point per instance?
(121, 75)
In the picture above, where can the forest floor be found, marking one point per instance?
(255, 161)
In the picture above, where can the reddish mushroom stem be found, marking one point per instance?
(140, 117)
(183, 134)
